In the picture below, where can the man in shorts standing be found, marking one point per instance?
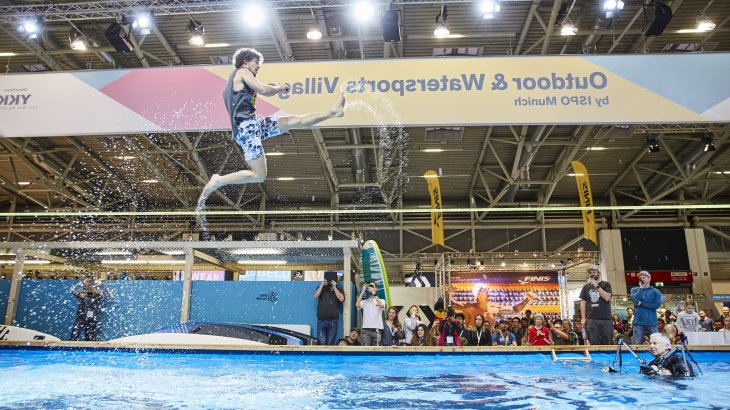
(250, 130)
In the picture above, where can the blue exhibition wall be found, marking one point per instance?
(4, 295)
(256, 302)
(141, 306)
(134, 307)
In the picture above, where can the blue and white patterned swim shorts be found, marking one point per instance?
(250, 134)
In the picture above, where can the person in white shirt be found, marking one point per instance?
(372, 315)
(688, 320)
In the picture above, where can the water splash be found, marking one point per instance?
(392, 140)
(201, 218)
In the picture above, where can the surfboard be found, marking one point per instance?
(21, 334)
(374, 269)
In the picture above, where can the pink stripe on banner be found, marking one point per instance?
(188, 98)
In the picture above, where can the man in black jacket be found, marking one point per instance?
(330, 298)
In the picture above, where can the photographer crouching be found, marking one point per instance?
(330, 299)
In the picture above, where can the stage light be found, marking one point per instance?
(612, 8)
(77, 40)
(31, 27)
(709, 142)
(489, 8)
(364, 11)
(503, 264)
(198, 33)
(142, 24)
(653, 144)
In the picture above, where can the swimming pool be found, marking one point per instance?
(73, 378)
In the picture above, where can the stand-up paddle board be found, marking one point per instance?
(21, 334)
(374, 269)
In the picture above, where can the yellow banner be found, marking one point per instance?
(586, 200)
(437, 217)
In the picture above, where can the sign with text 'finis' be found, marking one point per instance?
(606, 89)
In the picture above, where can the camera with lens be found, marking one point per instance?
(329, 276)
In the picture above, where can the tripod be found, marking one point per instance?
(618, 358)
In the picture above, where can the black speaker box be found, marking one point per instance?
(118, 36)
(658, 16)
(391, 28)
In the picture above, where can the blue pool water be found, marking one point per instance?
(128, 380)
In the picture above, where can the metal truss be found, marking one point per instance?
(107, 10)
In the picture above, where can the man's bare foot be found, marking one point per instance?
(211, 186)
(339, 108)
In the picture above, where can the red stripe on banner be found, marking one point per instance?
(190, 98)
(662, 276)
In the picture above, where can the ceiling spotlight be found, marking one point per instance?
(489, 8)
(441, 30)
(314, 34)
(568, 28)
(31, 28)
(503, 264)
(142, 24)
(612, 8)
(653, 144)
(198, 33)
(704, 24)
(364, 11)
(709, 142)
(253, 15)
(77, 40)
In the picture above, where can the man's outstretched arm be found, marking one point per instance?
(266, 90)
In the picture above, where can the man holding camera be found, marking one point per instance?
(372, 315)
(328, 308)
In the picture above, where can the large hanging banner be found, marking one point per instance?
(430, 92)
(585, 194)
(503, 295)
(437, 216)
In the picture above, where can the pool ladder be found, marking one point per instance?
(586, 357)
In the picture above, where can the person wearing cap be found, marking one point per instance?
(595, 309)
(354, 335)
(647, 300)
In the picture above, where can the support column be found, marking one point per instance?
(612, 260)
(15, 287)
(698, 263)
(187, 286)
(347, 285)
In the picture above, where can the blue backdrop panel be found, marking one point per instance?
(4, 296)
(256, 302)
(135, 307)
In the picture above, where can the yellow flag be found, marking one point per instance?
(586, 200)
(437, 217)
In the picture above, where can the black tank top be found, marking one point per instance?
(240, 104)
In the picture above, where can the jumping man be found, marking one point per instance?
(250, 130)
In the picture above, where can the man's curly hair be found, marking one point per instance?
(245, 55)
